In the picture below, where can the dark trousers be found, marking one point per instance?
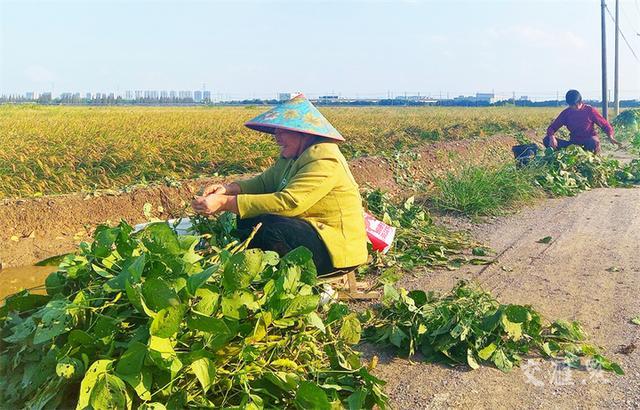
(282, 235)
(592, 145)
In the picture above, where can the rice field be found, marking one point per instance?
(59, 149)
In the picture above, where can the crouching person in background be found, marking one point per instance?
(579, 118)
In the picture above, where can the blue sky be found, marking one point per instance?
(365, 48)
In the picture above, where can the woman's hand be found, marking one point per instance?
(214, 189)
(553, 142)
(214, 203)
(221, 189)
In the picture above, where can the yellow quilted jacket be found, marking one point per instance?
(319, 188)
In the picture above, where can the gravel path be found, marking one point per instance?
(589, 272)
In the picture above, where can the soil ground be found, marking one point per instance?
(590, 272)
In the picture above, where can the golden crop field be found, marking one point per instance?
(60, 149)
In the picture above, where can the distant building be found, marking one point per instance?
(164, 94)
(31, 96)
(206, 96)
(284, 96)
(44, 97)
(139, 94)
(173, 94)
(185, 95)
(328, 98)
(128, 95)
(486, 97)
(197, 96)
(87, 96)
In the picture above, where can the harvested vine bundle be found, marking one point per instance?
(470, 326)
(144, 320)
(569, 171)
(419, 241)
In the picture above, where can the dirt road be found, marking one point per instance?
(589, 272)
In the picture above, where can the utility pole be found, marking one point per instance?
(603, 5)
(616, 104)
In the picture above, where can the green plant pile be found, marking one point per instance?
(627, 126)
(419, 242)
(469, 326)
(145, 320)
(627, 120)
(569, 171)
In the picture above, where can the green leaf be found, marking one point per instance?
(222, 331)
(152, 406)
(636, 320)
(501, 361)
(301, 305)
(336, 312)
(109, 392)
(132, 360)
(546, 239)
(160, 239)
(158, 294)
(310, 396)
(23, 301)
(351, 329)
(397, 336)
(302, 258)
(314, 320)
(205, 371)
(140, 382)
(517, 314)
(69, 368)
(242, 269)
(98, 368)
(514, 330)
(236, 305)
(356, 400)
(167, 322)
(479, 251)
(21, 331)
(471, 360)
(208, 301)
(487, 351)
(54, 320)
(390, 295)
(195, 281)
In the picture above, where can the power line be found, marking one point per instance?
(630, 21)
(623, 36)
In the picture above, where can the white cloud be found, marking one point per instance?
(39, 74)
(531, 36)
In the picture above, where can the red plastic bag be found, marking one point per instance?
(379, 233)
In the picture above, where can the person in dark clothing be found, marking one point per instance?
(282, 235)
(580, 119)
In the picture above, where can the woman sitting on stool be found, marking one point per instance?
(307, 198)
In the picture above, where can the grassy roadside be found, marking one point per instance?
(478, 191)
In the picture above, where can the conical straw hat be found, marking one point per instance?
(297, 114)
